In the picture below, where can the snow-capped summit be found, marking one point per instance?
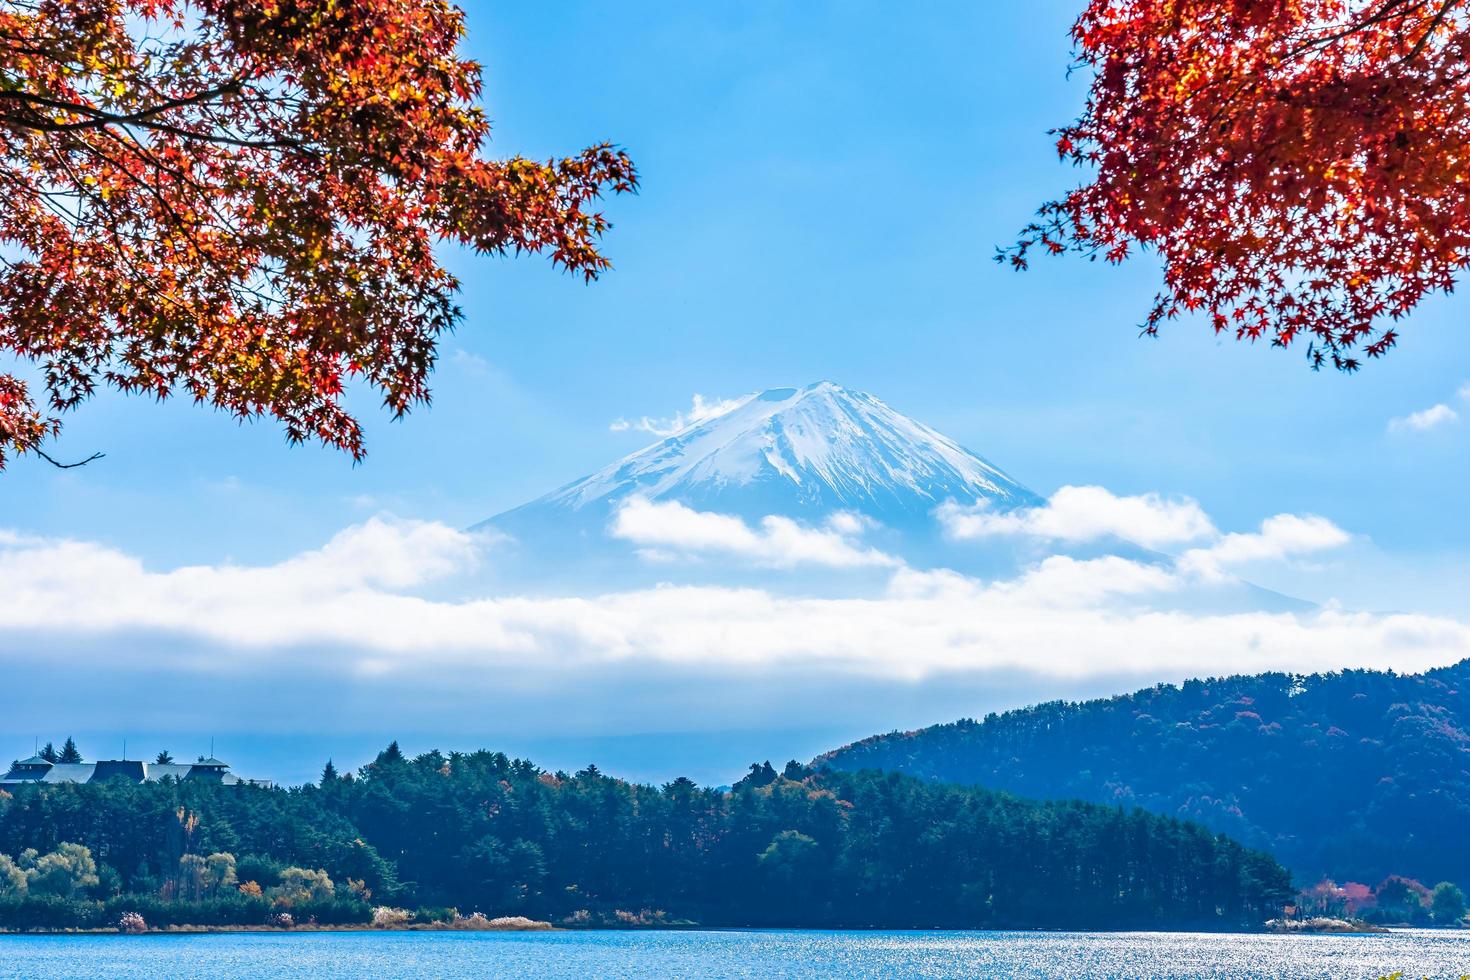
(799, 452)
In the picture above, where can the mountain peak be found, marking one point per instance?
(801, 452)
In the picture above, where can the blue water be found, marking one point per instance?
(796, 955)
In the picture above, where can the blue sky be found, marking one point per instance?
(823, 187)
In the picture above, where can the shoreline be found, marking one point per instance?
(1324, 926)
(283, 930)
(534, 926)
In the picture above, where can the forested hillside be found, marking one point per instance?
(483, 832)
(1356, 775)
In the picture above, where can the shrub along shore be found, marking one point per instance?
(109, 920)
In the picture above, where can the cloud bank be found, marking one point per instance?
(368, 604)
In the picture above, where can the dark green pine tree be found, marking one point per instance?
(391, 756)
(69, 752)
(49, 753)
(329, 773)
(164, 758)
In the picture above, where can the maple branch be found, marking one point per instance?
(143, 118)
(1439, 17)
(67, 466)
(141, 115)
(1377, 17)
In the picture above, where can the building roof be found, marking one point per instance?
(69, 772)
(164, 770)
(35, 760)
(130, 769)
(32, 771)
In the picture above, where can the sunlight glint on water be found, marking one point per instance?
(794, 955)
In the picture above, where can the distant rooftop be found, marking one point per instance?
(38, 770)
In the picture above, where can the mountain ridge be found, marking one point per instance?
(1355, 774)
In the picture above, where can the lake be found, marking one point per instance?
(793, 954)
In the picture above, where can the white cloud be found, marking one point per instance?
(1464, 392)
(470, 362)
(1064, 581)
(1080, 514)
(675, 525)
(347, 607)
(850, 522)
(702, 410)
(1281, 537)
(671, 527)
(1059, 581)
(1429, 418)
(385, 551)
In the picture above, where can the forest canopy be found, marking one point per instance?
(482, 832)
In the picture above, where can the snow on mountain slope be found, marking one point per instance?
(798, 452)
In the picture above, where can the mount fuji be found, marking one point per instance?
(804, 453)
(817, 456)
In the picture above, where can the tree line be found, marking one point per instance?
(482, 832)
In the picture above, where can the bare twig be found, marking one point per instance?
(68, 466)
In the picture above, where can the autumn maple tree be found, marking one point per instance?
(239, 200)
(1301, 167)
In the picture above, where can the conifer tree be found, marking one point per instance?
(69, 752)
